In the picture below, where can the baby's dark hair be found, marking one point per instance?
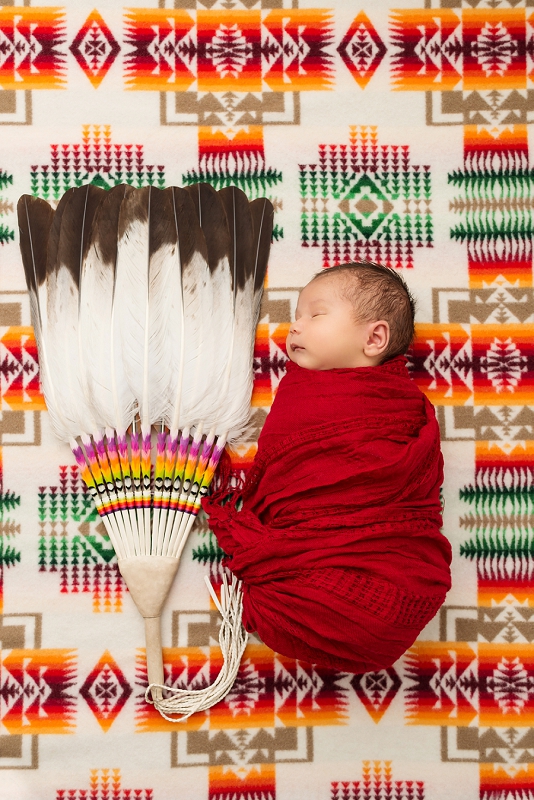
(378, 292)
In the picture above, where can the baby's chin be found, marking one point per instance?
(304, 360)
(291, 355)
(296, 357)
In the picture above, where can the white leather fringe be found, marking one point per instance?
(181, 703)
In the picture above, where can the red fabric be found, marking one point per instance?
(338, 541)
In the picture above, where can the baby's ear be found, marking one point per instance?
(377, 338)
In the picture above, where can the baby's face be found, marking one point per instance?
(324, 334)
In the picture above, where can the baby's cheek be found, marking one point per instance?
(288, 350)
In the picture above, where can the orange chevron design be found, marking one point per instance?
(258, 781)
(498, 455)
(307, 30)
(283, 690)
(482, 364)
(31, 58)
(483, 274)
(105, 784)
(21, 390)
(262, 395)
(242, 457)
(512, 781)
(95, 48)
(429, 43)
(270, 343)
(232, 713)
(243, 50)
(513, 138)
(182, 664)
(482, 26)
(106, 690)
(306, 708)
(501, 355)
(229, 57)
(442, 674)
(500, 667)
(148, 67)
(215, 142)
(498, 591)
(442, 364)
(413, 69)
(35, 684)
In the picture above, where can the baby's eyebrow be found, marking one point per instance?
(313, 303)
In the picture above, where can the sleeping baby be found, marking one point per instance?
(336, 532)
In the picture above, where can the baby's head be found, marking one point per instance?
(354, 315)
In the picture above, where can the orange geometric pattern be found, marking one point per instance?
(501, 591)
(296, 44)
(106, 690)
(20, 389)
(229, 51)
(376, 690)
(441, 363)
(256, 780)
(493, 454)
(30, 58)
(362, 49)
(484, 365)
(105, 784)
(270, 348)
(494, 41)
(212, 141)
(34, 688)
(377, 783)
(221, 50)
(157, 70)
(187, 664)
(501, 356)
(502, 667)
(461, 684)
(507, 139)
(285, 691)
(442, 693)
(414, 69)
(440, 49)
(506, 780)
(94, 48)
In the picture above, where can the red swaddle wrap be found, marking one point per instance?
(338, 542)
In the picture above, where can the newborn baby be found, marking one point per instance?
(336, 533)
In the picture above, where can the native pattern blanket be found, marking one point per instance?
(397, 132)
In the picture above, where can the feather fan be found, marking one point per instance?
(145, 304)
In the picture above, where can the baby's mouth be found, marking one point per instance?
(295, 347)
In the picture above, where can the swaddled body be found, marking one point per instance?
(338, 540)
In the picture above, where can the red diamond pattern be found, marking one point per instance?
(106, 690)
(95, 48)
(362, 49)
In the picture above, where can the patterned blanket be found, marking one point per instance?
(395, 132)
